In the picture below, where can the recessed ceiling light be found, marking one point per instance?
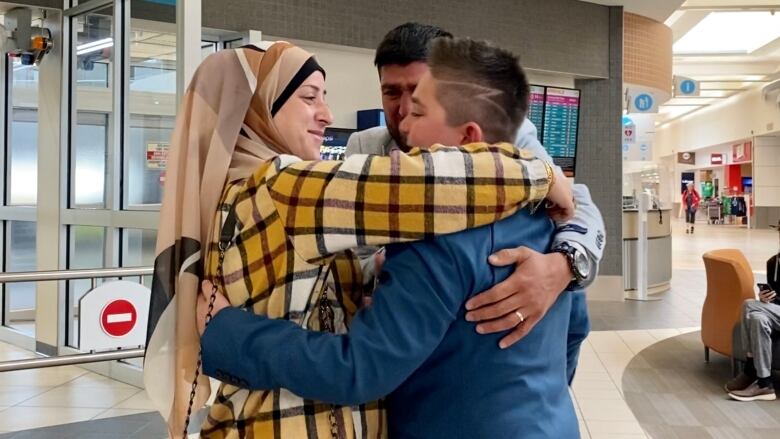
(730, 33)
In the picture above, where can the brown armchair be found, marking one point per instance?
(729, 283)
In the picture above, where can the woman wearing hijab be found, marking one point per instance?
(273, 232)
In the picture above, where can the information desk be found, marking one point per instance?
(659, 249)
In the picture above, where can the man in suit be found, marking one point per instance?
(414, 341)
(572, 262)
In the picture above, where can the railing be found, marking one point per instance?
(93, 357)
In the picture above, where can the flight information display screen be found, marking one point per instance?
(560, 126)
(536, 108)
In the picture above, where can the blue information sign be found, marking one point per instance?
(687, 87)
(643, 102)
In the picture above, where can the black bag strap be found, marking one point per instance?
(228, 227)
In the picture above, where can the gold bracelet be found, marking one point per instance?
(550, 176)
(550, 182)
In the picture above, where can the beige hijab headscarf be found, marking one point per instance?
(224, 132)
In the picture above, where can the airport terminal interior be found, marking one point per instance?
(638, 100)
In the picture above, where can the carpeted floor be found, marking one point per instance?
(675, 394)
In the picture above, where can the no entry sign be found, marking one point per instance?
(113, 315)
(118, 318)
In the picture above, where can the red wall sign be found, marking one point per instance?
(716, 159)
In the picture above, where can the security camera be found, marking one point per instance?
(25, 41)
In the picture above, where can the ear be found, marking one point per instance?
(472, 133)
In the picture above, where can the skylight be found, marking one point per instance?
(730, 33)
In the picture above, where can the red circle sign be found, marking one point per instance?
(118, 318)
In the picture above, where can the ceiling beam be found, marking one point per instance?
(685, 105)
(687, 21)
(703, 68)
(770, 49)
(729, 5)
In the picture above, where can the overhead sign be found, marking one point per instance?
(686, 158)
(114, 315)
(641, 101)
(716, 159)
(686, 86)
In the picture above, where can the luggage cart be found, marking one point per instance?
(714, 212)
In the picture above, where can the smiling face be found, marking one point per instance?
(302, 120)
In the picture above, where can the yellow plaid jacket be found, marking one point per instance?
(295, 218)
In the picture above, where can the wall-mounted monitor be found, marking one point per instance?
(334, 143)
(536, 108)
(370, 118)
(560, 126)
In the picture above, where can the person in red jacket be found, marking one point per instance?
(690, 201)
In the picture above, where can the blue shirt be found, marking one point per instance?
(413, 345)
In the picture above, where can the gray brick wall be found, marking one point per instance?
(153, 12)
(54, 4)
(556, 35)
(599, 158)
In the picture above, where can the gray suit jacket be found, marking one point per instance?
(585, 231)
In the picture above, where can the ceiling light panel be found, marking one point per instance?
(680, 101)
(670, 112)
(732, 78)
(725, 85)
(730, 32)
(715, 93)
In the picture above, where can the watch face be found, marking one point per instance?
(582, 265)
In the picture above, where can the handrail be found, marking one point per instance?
(99, 273)
(35, 363)
(58, 275)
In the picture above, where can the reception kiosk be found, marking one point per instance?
(658, 251)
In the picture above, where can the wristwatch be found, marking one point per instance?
(578, 262)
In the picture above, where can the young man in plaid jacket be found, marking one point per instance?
(413, 343)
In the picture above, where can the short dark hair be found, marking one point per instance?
(477, 81)
(407, 43)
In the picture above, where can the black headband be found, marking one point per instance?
(309, 67)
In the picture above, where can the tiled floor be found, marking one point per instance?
(757, 245)
(43, 397)
(597, 387)
(676, 394)
(47, 397)
(681, 305)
